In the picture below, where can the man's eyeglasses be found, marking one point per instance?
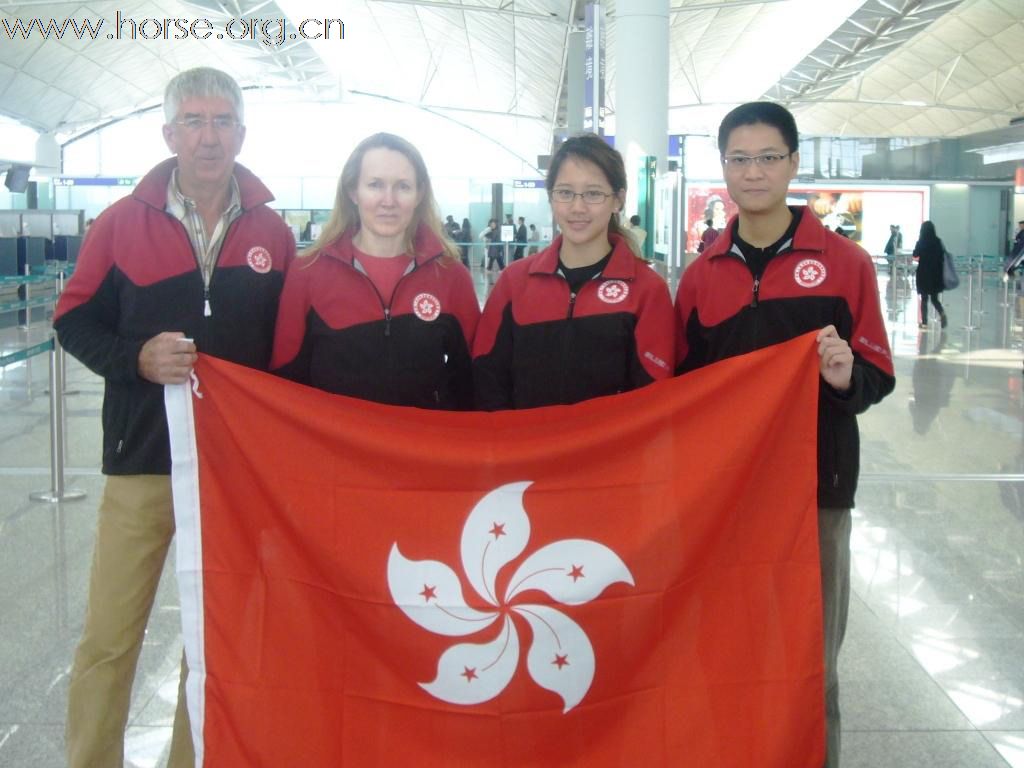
(221, 123)
(767, 160)
(590, 197)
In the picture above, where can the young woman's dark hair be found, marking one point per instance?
(591, 147)
(927, 231)
(765, 112)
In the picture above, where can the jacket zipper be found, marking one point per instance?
(207, 279)
(565, 343)
(756, 291)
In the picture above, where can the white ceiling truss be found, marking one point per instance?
(846, 67)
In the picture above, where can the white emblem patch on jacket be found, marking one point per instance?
(613, 291)
(810, 273)
(258, 259)
(426, 307)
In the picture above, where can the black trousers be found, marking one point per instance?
(934, 297)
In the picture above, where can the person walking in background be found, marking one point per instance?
(520, 240)
(708, 237)
(192, 261)
(1016, 251)
(638, 233)
(930, 254)
(895, 242)
(451, 229)
(465, 240)
(533, 237)
(379, 307)
(495, 250)
(585, 317)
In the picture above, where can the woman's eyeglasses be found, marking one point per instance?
(590, 197)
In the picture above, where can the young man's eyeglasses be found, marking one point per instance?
(221, 123)
(767, 160)
(590, 197)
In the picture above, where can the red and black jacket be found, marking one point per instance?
(820, 279)
(337, 333)
(540, 344)
(137, 276)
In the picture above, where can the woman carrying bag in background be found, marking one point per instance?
(930, 255)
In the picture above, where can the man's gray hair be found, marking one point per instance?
(202, 82)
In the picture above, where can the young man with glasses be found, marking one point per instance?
(192, 261)
(776, 273)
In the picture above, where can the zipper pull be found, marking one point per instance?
(572, 303)
(757, 287)
(387, 321)
(207, 312)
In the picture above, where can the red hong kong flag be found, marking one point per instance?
(628, 581)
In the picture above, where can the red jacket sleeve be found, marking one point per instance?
(655, 329)
(290, 357)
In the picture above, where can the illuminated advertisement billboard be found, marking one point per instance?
(863, 211)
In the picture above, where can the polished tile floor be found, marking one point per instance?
(932, 671)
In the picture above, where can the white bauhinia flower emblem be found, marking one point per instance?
(570, 571)
(809, 273)
(613, 291)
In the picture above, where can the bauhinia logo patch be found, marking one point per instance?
(810, 273)
(426, 307)
(613, 291)
(258, 258)
(560, 657)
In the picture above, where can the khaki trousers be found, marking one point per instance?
(834, 545)
(134, 531)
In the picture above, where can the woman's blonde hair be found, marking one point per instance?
(345, 215)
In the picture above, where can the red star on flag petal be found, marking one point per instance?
(469, 673)
(429, 593)
(561, 661)
(498, 530)
(576, 573)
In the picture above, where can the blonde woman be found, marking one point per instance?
(380, 307)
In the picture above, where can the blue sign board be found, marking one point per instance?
(93, 181)
(593, 70)
(528, 183)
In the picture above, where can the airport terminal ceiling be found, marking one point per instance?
(846, 67)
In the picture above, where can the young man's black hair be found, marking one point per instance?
(765, 112)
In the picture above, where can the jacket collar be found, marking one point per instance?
(809, 236)
(621, 266)
(426, 246)
(152, 190)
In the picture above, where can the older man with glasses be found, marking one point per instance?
(192, 261)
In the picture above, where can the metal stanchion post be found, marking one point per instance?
(893, 269)
(25, 293)
(58, 289)
(970, 301)
(505, 244)
(57, 490)
(1004, 330)
(981, 285)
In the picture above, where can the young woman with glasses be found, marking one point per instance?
(584, 317)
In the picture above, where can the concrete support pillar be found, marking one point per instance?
(641, 86)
